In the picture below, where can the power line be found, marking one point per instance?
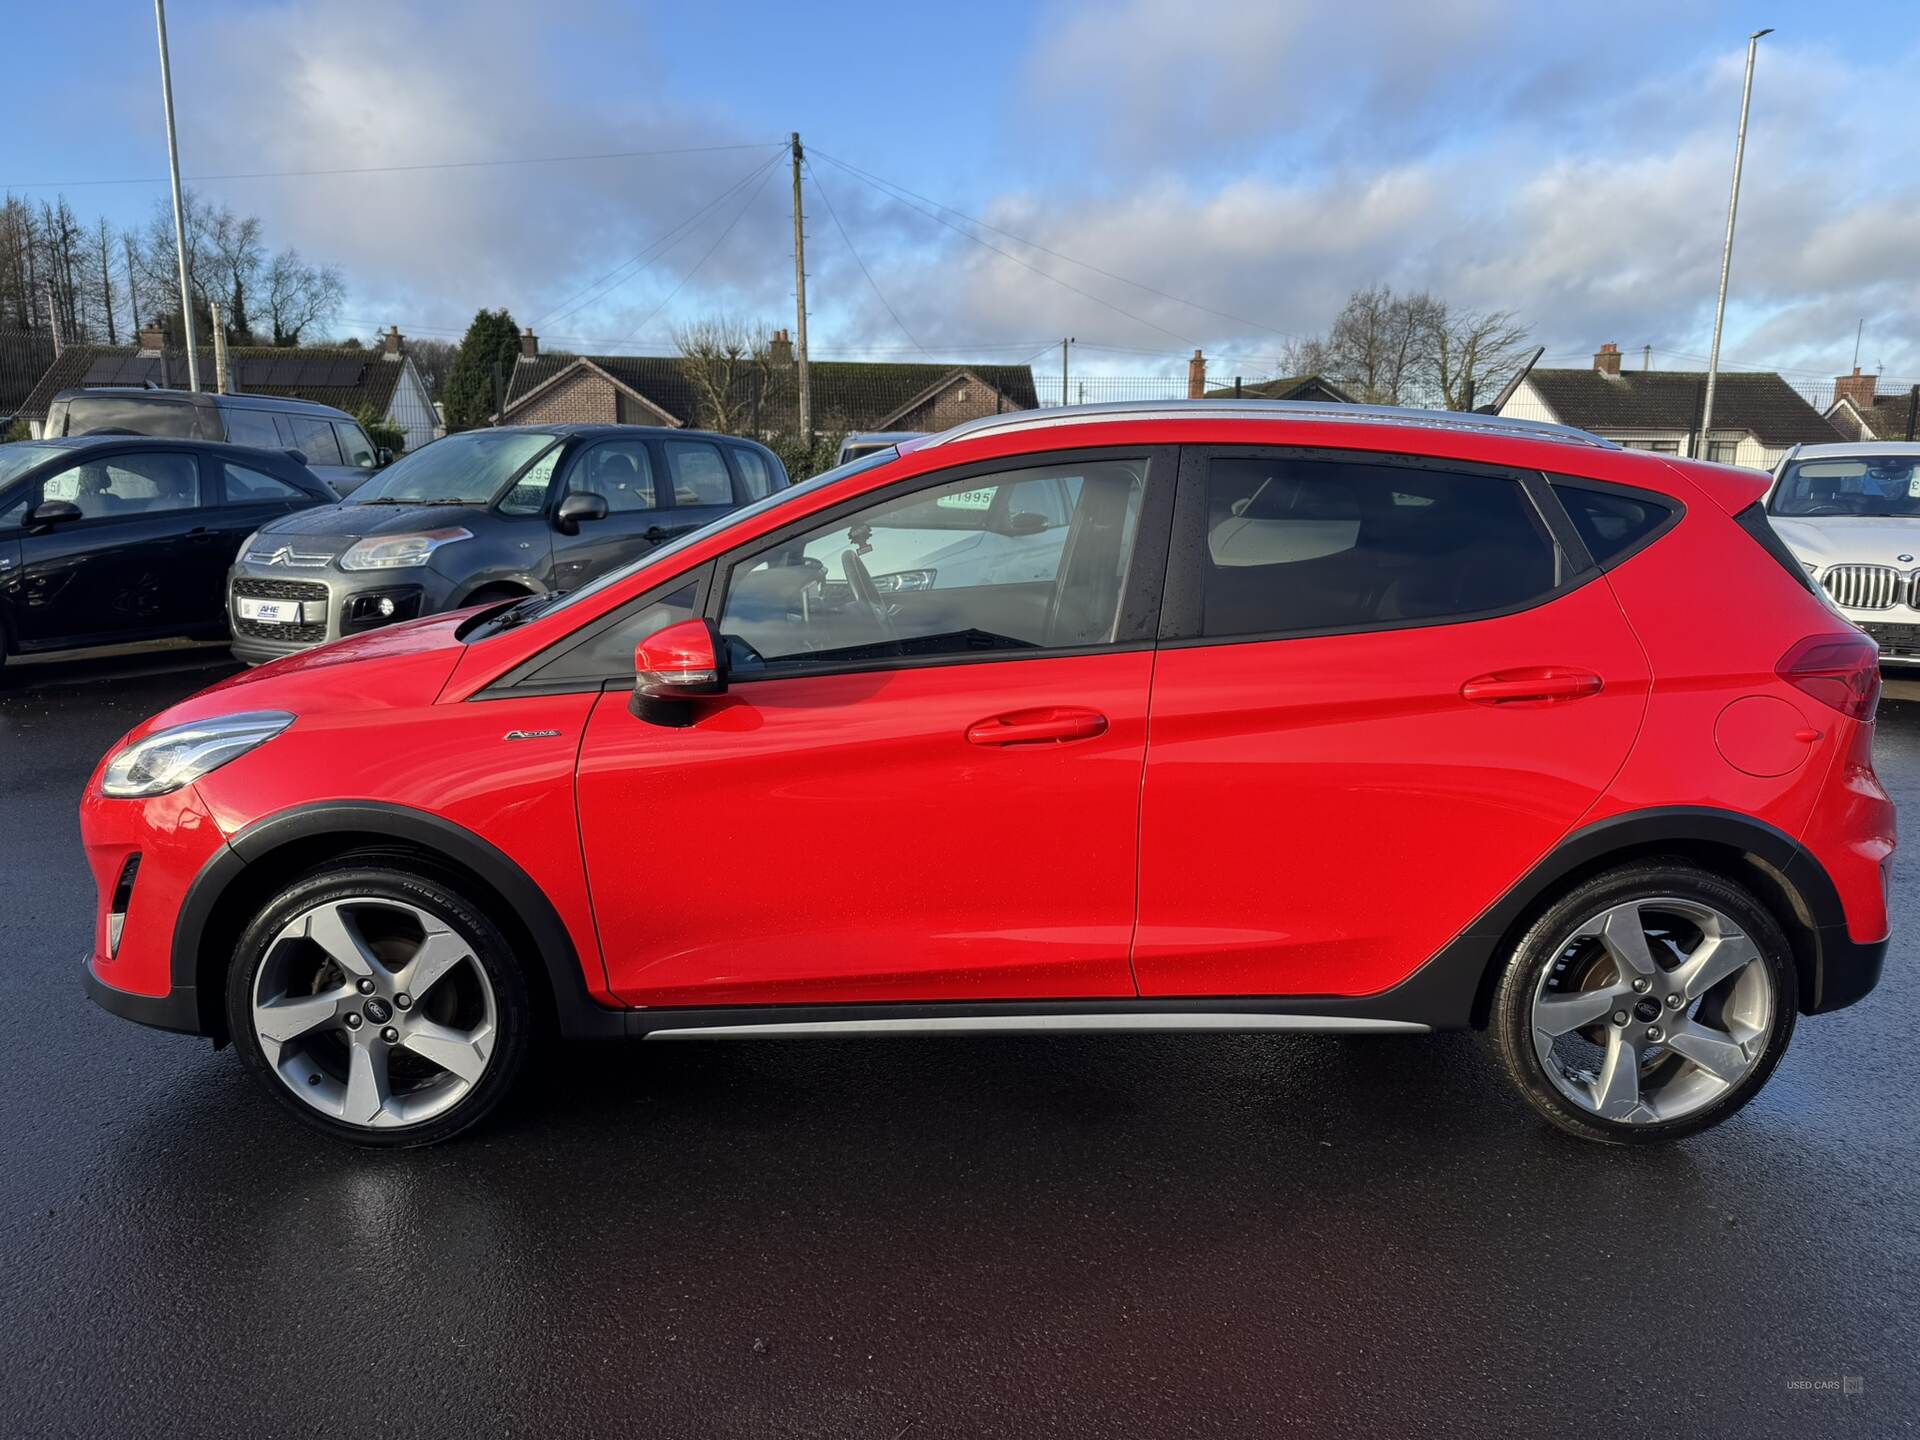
(1059, 255)
(752, 195)
(599, 288)
(1007, 254)
(387, 169)
(852, 250)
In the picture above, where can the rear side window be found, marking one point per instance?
(1299, 545)
(754, 473)
(313, 439)
(247, 486)
(698, 473)
(91, 414)
(252, 427)
(1610, 521)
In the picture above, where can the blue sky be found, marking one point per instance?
(1242, 165)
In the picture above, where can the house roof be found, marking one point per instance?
(1638, 400)
(325, 374)
(846, 394)
(1886, 418)
(1290, 387)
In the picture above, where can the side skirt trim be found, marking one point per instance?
(1043, 1024)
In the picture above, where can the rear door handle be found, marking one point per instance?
(1540, 685)
(1049, 725)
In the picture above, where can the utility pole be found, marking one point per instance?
(219, 348)
(179, 215)
(1646, 357)
(1063, 368)
(800, 296)
(1726, 253)
(1856, 341)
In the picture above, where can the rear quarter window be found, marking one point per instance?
(1611, 523)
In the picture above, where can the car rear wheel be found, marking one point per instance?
(380, 1006)
(1648, 1003)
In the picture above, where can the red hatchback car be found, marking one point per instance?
(1195, 717)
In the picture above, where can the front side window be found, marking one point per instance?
(1297, 545)
(123, 486)
(246, 486)
(699, 474)
(355, 445)
(1028, 559)
(619, 472)
(470, 468)
(1860, 486)
(313, 439)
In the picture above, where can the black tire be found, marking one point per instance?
(1547, 939)
(512, 1019)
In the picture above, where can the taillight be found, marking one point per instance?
(1841, 671)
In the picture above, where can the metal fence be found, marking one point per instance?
(24, 358)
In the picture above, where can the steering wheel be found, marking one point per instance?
(867, 593)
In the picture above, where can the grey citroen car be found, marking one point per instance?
(484, 516)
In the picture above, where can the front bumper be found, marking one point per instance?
(1899, 641)
(177, 1010)
(333, 604)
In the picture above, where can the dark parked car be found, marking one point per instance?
(329, 442)
(110, 539)
(482, 516)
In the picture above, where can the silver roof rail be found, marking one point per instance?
(1465, 420)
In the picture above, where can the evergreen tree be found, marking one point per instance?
(493, 337)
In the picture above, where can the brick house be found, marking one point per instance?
(1858, 413)
(1757, 418)
(847, 395)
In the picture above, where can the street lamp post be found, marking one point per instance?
(179, 215)
(1726, 252)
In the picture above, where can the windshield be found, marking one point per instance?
(673, 547)
(17, 457)
(1885, 486)
(466, 469)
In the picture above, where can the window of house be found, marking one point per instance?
(1297, 545)
(1722, 452)
(1025, 559)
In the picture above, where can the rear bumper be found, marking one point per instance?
(1849, 969)
(177, 1010)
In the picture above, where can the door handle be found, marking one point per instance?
(657, 534)
(1049, 725)
(1540, 685)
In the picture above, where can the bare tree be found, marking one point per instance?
(299, 295)
(1376, 344)
(231, 265)
(100, 259)
(1470, 351)
(434, 360)
(730, 366)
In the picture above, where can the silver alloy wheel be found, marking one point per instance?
(374, 1012)
(1652, 1010)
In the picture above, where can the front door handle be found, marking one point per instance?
(659, 534)
(1540, 685)
(1049, 725)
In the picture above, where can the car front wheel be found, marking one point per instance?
(381, 1006)
(1648, 1003)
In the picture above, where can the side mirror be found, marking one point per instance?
(53, 512)
(1025, 522)
(299, 456)
(682, 662)
(382, 458)
(576, 508)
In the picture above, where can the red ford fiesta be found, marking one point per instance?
(1199, 717)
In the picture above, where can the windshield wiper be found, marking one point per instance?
(521, 611)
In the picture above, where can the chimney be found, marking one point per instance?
(1606, 359)
(153, 340)
(530, 345)
(1855, 387)
(393, 344)
(1196, 376)
(780, 349)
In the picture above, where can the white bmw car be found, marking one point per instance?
(1851, 514)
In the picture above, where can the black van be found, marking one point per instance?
(330, 442)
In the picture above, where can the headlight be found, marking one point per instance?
(898, 580)
(181, 754)
(399, 552)
(246, 545)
